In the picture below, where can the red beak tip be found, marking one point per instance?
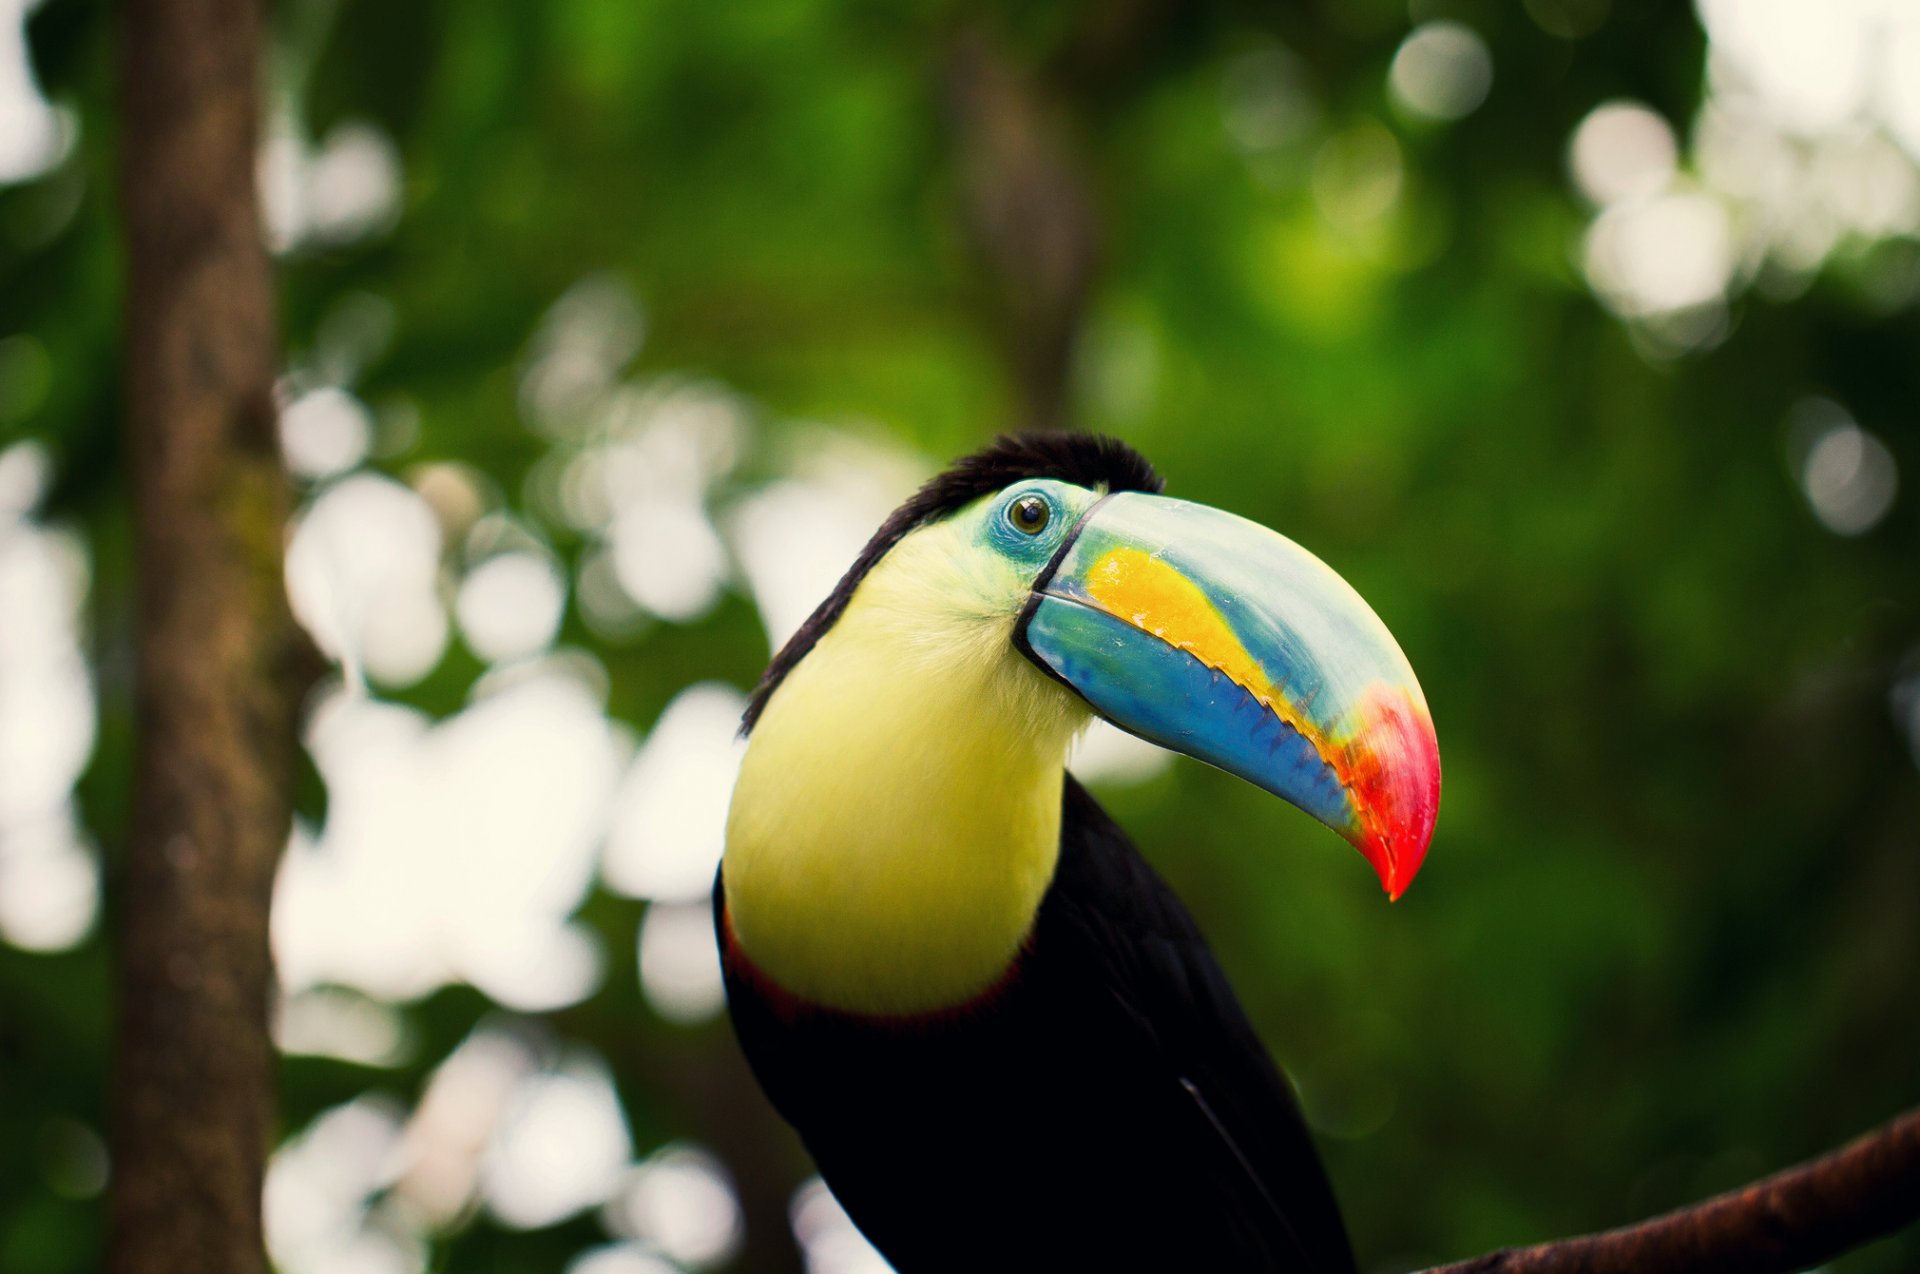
(1396, 863)
(1396, 792)
(1395, 884)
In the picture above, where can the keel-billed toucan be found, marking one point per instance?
(1000, 1035)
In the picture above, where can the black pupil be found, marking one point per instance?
(1030, 514)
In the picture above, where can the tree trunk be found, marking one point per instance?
(1031, 213)
(214, 724)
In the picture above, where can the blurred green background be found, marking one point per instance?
(1580, 335)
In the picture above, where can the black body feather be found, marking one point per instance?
(1107, 1107)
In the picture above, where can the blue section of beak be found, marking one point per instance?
(1167, 696)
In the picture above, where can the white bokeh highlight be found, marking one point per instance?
(670, 821)
(1821, 66)
(797, 536)
(344, 189)
(1442, 71)
(681, 1203)
(49, 880)
(320, 1205)
(1623, 151)
(1106, 754)
(1848, 476)
(1655, 256)
(1805, 148)
(324, 431)
(509, 605)
(561, 1145)
(583, 342)
(830, 1241)
(680, 962)
(636, 463)
(346, 1025)
(621, 1258)
(448, 1136)
(363, 572)
(454, 851)
(34, 135)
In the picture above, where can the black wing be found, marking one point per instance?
(1170, 991)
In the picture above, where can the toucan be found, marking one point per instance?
(999, 1034)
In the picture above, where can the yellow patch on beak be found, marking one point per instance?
(1156, 598)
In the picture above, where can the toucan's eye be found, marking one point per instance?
(1029, 514)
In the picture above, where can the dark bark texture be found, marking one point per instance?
(193, 1075)
(1793, 1220)
(1029, 209)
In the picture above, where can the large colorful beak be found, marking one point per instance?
(1213, 636)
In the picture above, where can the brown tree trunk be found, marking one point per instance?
(1026, 189)
(214, 730)
(1029, 208)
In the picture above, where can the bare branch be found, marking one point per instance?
(1790, 1221)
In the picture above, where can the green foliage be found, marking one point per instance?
(1667, 935)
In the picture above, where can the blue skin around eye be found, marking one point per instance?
(1166, 696)
(1064, 505)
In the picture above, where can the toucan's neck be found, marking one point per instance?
(897, 817)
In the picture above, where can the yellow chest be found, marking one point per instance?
(897, 818)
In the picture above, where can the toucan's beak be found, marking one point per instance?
(1212, 635)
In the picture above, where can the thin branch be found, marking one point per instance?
(214, 719)
(1790, 1221)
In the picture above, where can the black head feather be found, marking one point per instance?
(1085, 460)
